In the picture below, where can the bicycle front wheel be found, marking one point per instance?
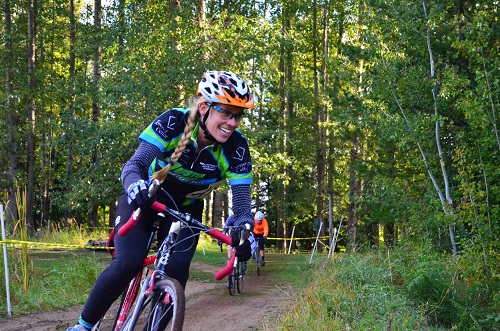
(168, 305)
(231, 279)
(239, 279)
(257, 261)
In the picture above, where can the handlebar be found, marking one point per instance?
(214, 233)
(136, 215)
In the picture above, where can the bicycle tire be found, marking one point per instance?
(231, 282)
(257, 261)
(239, 279)
(169, 299)
(131, 322)
(152, 308)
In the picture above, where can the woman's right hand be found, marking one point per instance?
(138, 195)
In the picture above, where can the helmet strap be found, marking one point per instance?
(203, 126)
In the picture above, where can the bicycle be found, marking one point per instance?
(235, 278)
(151, 295)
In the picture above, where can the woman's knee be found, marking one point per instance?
(128, 267)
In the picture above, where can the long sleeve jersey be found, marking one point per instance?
(196, 173)
(262, 228)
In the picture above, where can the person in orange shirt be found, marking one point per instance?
(261, 231)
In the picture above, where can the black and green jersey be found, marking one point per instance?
(197, 174)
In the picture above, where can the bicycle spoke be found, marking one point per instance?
(168, 305)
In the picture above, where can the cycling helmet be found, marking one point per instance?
(227, 88)
(259, 216)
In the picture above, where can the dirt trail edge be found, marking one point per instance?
(209, 307)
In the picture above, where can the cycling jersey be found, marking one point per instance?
(197, 173)
(261, 229)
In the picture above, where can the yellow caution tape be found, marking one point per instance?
(52, 245)
(306, 238)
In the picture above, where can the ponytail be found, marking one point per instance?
(186, 135)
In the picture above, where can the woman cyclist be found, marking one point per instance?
(261, 231)
(199, 147)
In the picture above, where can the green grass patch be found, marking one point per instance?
(407, 290)
(57, 279)
(285, 269)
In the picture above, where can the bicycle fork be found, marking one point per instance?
(142, 296)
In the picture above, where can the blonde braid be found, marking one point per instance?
(186, 135)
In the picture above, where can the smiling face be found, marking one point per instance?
(219, 122)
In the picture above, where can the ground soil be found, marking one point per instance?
(208, 307)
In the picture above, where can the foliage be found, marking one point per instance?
(402, 289)
(388, 76)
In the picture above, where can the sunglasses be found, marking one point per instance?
(225, 114)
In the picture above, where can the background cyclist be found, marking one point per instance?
(261, 230)
(226, 230)
(198, 147)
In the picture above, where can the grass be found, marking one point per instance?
(408, 289)
(60, 278)
(57, 279)
(284, 268)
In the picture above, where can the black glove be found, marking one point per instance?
(264, 239)
(138, 195)
(243, 251)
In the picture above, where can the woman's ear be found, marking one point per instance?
(202, 108)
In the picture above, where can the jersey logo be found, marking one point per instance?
(159, 125)
(240, 153)
(171, 122)
(208, 167)
(159, 129)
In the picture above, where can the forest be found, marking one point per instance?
(376, 115)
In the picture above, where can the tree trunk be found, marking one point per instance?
(112, 215)
(96, 109)
(389, 234)
(30, 194)
(448, 205)
(354, 187)
(217, 208)
(71, 107)
(320, 129)
(12, 120)
(225, 210)
(330, 134)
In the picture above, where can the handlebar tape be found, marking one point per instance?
(136, 216)
(216, 234)
(129, 225)
(226, 270)
(226, 239)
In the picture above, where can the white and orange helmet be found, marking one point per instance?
(227, 88)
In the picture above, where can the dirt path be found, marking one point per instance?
(209, 307)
